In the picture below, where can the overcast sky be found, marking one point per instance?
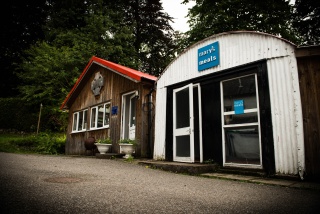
(178, 11)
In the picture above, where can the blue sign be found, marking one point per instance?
(208, 56)
(114, 110)
(238, 107)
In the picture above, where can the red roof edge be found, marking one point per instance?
(129, 72)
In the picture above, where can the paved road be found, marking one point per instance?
(63, 184)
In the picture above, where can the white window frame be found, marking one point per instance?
(96, 116)
(223, 113)
(84, 121)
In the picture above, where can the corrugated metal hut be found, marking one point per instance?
(234, 99)
(110, 101)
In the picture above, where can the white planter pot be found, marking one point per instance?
(127, 149)
(103, 148)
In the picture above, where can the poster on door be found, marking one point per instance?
(238, 106)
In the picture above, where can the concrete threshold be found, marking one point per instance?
(177, 167)
(213, 171)
(263, 180)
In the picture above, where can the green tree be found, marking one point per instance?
(306, 21)
(51, 67)
(210, 17)
(134, 33)
(21, 24)
(154, 37)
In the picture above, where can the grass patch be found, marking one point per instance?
(43, 143)
(130, 159)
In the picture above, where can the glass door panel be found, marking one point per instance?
(132, 118)
(242, 145)
(242, 88)
(182, 109)
(183, 146)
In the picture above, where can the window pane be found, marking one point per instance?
(100, 116)
(183, 146)
(182, 108)
(80, 124)
(93, 117)
(243, 88)
(75, 121)
(107, 115)
(241, 118)
(84, 119)
(242, 145)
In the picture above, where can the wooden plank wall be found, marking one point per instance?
(308, 60)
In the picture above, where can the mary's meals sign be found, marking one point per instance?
(208, 56)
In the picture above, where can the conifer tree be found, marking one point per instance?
(306, 21)
(154, 36)
(210, 17)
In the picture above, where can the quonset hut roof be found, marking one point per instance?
(220, 35)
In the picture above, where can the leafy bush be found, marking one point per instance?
(51, 144)
(104, 141)
(128, 141)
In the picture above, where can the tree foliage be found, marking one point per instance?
(210, 17)
(21, 26)
(17, 115)
(52, 66)
(48, 43)
(132, 33)
(154, 36)
(306, 21)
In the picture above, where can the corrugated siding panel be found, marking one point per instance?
(286, 115)
(160, 124)
(238, 49)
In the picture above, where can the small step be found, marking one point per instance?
(177, 167)
(240, 171)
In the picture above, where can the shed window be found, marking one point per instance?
(79, 121)
(100, 116)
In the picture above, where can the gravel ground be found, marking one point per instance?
(65, 184)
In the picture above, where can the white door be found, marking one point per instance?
(128, 116)
(183, 124)
(132, 118)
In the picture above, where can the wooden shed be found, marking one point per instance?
(110, 101)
